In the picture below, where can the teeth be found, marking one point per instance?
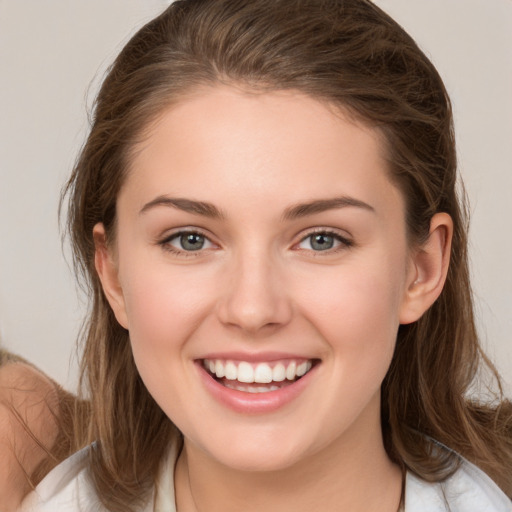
(245, 373)
(290, 371)
(279, 372)
(303, 368)
(261, 373)
(231, 372)
(249, 389)
(219, 369)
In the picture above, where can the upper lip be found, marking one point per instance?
(255, 357)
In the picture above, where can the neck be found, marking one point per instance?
(352, 473)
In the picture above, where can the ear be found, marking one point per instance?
(428, 269)
(107, 270)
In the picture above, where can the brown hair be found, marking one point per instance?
(43, 427)
(350, 54)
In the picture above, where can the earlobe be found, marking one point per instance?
(107, 271)
(429, 267)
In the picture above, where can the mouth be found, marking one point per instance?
(260, 377)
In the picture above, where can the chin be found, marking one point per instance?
(259, 462)
(257, 452)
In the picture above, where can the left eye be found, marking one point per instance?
(322, 242)
(189, 241)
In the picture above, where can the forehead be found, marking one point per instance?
(280, 146)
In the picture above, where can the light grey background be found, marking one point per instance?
(52, 56)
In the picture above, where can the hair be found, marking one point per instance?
(352, 55)
(52, 433)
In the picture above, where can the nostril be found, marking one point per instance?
(255, 303)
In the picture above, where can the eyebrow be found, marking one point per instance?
(187, 205)
(322, 205)
(293, 212)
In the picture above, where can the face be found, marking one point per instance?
(262, 270)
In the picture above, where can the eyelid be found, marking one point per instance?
(164, 241)
(345, 240)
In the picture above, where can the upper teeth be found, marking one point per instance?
(262, 373)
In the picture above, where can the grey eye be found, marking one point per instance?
(189, 242)
(321, 242)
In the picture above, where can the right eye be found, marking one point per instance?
(186, 241)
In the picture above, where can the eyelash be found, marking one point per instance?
(344, 243)
(166, 243)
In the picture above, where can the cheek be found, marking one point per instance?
(164, 310)
(356, 309)
(164, 307)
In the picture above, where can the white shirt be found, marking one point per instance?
(67, 488)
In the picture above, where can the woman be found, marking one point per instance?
(265, 210)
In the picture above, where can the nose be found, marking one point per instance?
(255, 298)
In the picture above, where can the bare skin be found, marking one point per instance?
(265, 174)
(27, 399)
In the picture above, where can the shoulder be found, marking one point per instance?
(67, 487)
(468, 490)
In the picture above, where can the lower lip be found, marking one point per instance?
(254, 403)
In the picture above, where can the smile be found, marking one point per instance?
(256, 378)
(262, 373)
(256, 384)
